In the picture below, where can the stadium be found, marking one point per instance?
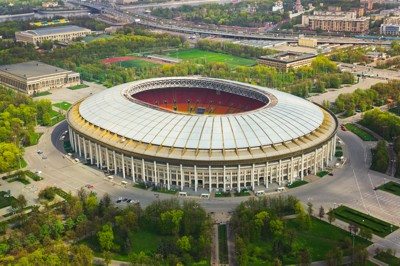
(202, 134)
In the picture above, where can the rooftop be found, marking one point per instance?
(31, 69)
(287, 57)
(55, 30)
(284, 118)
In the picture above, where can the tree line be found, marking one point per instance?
(243, 14)
(19, 115)
(363, 100)
(386, 125)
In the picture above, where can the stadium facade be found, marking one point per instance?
(202, 133)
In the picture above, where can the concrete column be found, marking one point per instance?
(96, 146)
(209, 178)
(168, 178)
(79, 146)
(224, 178)
(252, 176)
(302, 167)
(238, 177)
(291, 170)
(107, 160)
(182, 176)
(195, 178)
(155, 174)
(133, 169)
(123, 165)
(143, 172)
(315, 162)
(115, 162)
(100, 156)
(71, 138)
(280, 173)
(84, 149)
(75, 144)
(90, 152)
(231, 180)
(266, 179)
(322, 157)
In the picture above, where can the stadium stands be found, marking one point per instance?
(198, 101)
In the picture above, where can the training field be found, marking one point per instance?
(197, 54)
(137, 63)
(130, 61)
(113, 60)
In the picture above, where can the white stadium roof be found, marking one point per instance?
(289, 118)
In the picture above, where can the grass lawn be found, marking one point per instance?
(221, 194)
(321, 238)
(63, 105)
(322, 173)
(193, 54)
(34, 138)
(378, 227)
(243, 192)
(56, 117)
(223, 244)
(43, 93)
(297, 183)
(136, 63)
(387, 258)
(77, 87)
(145, 241)
(164, 190)
(5, 201)
(391, 187)
(360, 132)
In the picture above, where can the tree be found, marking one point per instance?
(22, 202)
(277, 262)
(334, 257)
(105, 237)
(9, 156)
(184, 244)
(360, 256)
(365, 233)
(81, 255)
(310, 208)
(276, 227)
(304, 257)
(321, 213)
(171, 221)
(241, 251)
(331, 216)
(380, 157)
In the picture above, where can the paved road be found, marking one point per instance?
(351, 185)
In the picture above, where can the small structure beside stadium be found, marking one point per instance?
(34, 77)
(202, 134)
(286, 60)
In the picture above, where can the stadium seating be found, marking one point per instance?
(198, 100)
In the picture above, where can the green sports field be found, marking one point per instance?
(136, 63)
(207, 56)
(63, 105)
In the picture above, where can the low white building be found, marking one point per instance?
(61, 34)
